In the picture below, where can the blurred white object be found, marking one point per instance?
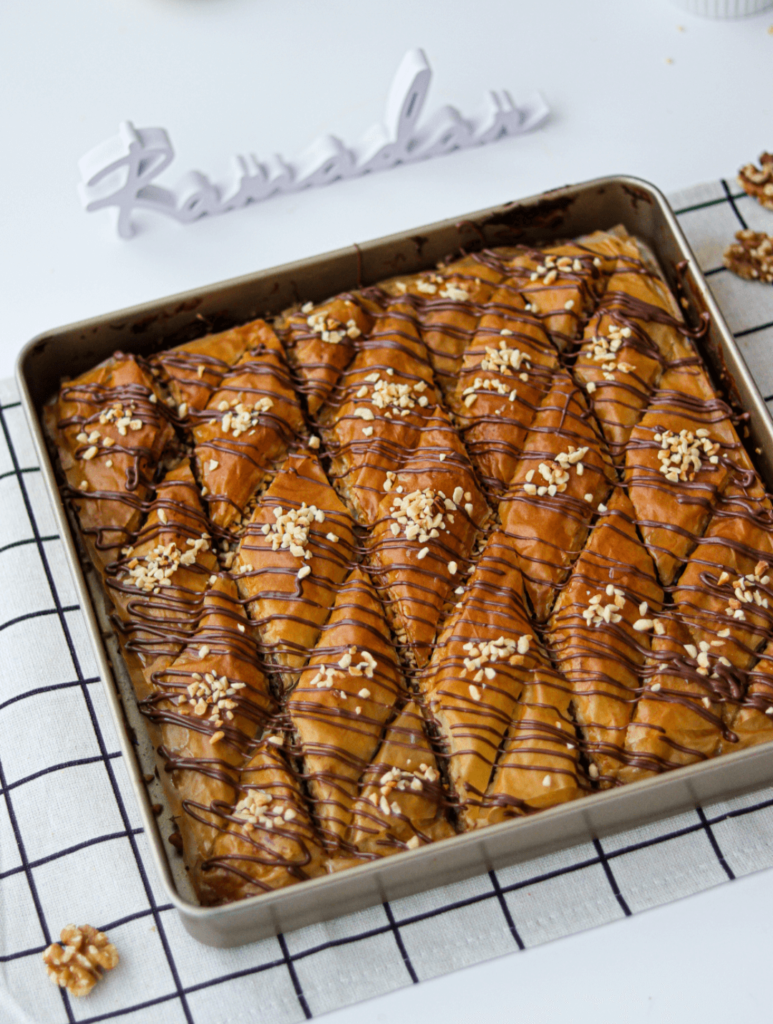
(118, 173)
(723, 8)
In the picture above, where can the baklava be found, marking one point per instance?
(427, 556)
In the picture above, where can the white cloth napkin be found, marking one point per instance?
(72, 849)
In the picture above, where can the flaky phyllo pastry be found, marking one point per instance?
(425, 557)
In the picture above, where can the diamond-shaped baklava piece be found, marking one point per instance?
(538, 763)
(158, 583)
(192, 372)
(345, 697)
(564, 474)
(293, 557)
(265, 838)
(401, 803)
(112, 431)
(247, 425)
(482, 660)
(321, 340)
(678, 717)
(600, 631)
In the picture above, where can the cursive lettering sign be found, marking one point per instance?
(120, 171)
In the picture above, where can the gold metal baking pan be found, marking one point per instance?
(564, 213)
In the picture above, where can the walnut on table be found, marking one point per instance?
(752, 256)
(758, 181)
(80, 961)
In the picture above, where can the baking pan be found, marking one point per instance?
(564, 213)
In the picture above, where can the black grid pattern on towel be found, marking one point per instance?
(58, 864)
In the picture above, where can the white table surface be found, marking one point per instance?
(630, 93)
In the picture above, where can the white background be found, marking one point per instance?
(228, 76)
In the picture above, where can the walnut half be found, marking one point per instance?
(758, 181)
(79, 962)
(752, 256)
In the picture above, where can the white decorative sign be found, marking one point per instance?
(120, 171)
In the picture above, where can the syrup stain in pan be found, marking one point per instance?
(637, 195)
(516, 219)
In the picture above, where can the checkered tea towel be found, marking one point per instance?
(72, 848)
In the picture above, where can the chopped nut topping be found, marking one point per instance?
(604, 349)
(746, 592)
(387, 395)
(238, 418)
(469, 394)
(453, 291)
(417, 513)
(598, 614)
(257, 808)
(347, 665)
(403, 781)
(78, 964)
(505, 359)
(211, 694)
(331, 330)
(122, 417)
(751, 257)
(680, 454)
(556, 473)
(426, 286)
(154, 570)
(548, 270)
(290, 531)
(482, 655)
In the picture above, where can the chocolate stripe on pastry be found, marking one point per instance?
(561, 284)
(205, 710)
(537, 767)
(157, 584)
(481, 662)
(111, 431)
(635, 333)
(564, 474)
(449, 303)
(384, 408)
(680, 458)
(724, 595)
(422, 543)
(504, 376)
(192, 372)
(754, 722)
(401, 803)
(293, 556)
(320, 342)
(345, 697)
(265, 839)
(678, 717)
(597, 633)
(247, 425)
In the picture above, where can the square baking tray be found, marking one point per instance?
(563, 213)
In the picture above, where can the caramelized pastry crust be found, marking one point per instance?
(426, 556)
